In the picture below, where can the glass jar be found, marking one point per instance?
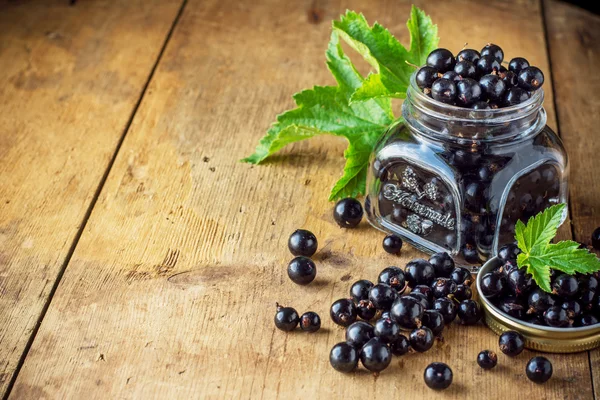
(446, 178)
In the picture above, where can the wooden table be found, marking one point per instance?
(138, 258)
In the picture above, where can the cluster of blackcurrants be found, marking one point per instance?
(421, 300)
(574, 301)
(478, 80)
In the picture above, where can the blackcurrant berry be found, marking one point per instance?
(425, 290)
(474, 195)
(421, 298)
(443, 287)
(444, 90)
(492, 284)
(400, 346)
(469, 252)
(302, 243)
(443, 264)
(426, 76)
(512, 306)
(493, 51)
(531, 78)
(487, 359)
(586, 299)
(588, 282)
(511, 343)
(407, 312)
(360, 290)
(539, 301)
(343, 357)
(487, 65)
(514, 96)
(343, 312)
(556, 317)
(438, 376)
(481, 105)
(348, 212)
(539, 369)
(310, 322)
(441, 59)
(520, 282)
(447, 308)
(366, 310)
(421, 339)
(509, 78)
(468, 55)
(286, 318)
(596, 239)
(461, 276)
(382, 296)
(508, 267)
(375, 355)
(451, 75)
(572, 308)
(469, 312)
(585, 320)
(419, 272)
(392, 244)
(508, 252)
(463, 292)
(517, 64)
(387, 330)
(434, 320)
(565, 285)
(394, 277)
(466, 69)
(468, 92)
(302, 270)
(492, 87)
(359, 333)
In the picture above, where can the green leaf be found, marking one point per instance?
(538, 255)
(385, 53)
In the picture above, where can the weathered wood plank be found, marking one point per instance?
(574, 41)
(171, 290)
(71, 77)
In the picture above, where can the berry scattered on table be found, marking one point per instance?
(302, 243)
(421, 339)
(539, 369)
(469, 312)
(286, 318)
(348, 212)
(343, 312)
(360, 290)
(302, 270)
(438, 376)
(375, 355)
(359, 333)
(343, 357)
(392, 244)
(392, 276)
(487, 359)
(511, 343)
(310, 322)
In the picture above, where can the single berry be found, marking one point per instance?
(343, 357)
(366, 310)
(596, 239)
(463, 292)
(392, 276)
(512, 306)
(343, 312)
(447, 308)
(392, 244)
(469, 252)
(360, 290)
(400, 346)
(461, 276)
(481, 105)
(359, 333)
(492, 284)
(493, 51)
(487, 359)
(468, 92)
(302, 243)
(520, 282)
(426, 76)
(302, 270)
(382, 296)
(508, 252)
(565, 285)
(539, 369)
(514, 96)
(348, 212)
(375, 355)
(531, 78)
(572, 308)
(419, 272)
(443, 287)
(469, 312)
(451, 75)
(557, 317)
(487, 65)
(421, 339)
(492, 87)
(443, 264)
(468, 55)
(466, 69)
(441, 59)
(310, 322)
(425, 290)
(539, 301)
(585, 320)
(421, 298)
(387, 330)
(286, 318)
(438, 376)
(434, 320)
(517, 64)
(444, 90)
(407, 312)
(511, 343)
(509, 78)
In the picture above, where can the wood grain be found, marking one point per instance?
(172, 288)
(574, 42)
(71, 77)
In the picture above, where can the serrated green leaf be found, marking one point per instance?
(373, 88)
(423, 35)
(540, 229)
(538, 270)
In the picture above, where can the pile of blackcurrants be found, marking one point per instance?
(574, 301)
(478, 80)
